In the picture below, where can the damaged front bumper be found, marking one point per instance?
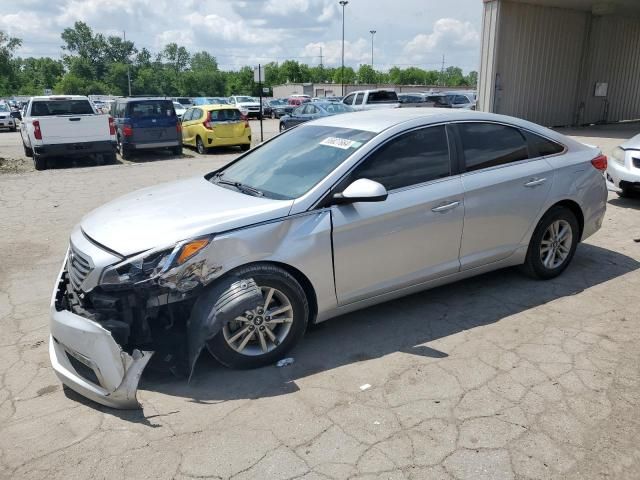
(88, 360)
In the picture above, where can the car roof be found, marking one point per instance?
(216, 106)
(378, 120)
(59, 97)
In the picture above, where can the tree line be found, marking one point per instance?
(92, 63)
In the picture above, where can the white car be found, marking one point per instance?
(179, 108)
(623, 171)
(247, 105)
(372, 100)
(6, 120)
(64, 126)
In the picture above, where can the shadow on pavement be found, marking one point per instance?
(632, 203)
(403, 325)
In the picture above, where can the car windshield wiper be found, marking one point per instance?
(239, 185)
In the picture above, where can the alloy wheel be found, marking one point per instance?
(555, 245)
(263, 328)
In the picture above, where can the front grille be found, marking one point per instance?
(78, 266)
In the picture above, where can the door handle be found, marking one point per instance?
(445, 207)
(534, 182)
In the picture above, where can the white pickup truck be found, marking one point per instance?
(64, 126)
(372, 99)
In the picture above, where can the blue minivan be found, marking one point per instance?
(146, 123)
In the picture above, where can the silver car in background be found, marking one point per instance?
(332, 216)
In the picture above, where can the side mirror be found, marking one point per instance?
(362, 190)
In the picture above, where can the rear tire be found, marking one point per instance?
(124, 152)
(553, 244)
(39, 162)
(177, 150)
(273, 115)
(202, 150)
(285, 291)
(27, 151)
(245, 147)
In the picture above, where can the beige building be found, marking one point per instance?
(335, 89)
(561, 62)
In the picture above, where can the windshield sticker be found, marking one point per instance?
(342, 143)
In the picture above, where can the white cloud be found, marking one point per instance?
(448, 34)
(354, 52)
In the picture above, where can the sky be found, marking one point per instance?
(408, 32)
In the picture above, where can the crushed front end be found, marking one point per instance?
(103, 336)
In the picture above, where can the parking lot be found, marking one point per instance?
(496, 377)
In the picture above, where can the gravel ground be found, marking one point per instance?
(496, 377)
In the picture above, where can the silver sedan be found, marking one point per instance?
(332, 216)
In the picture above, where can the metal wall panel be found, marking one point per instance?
(488, 55)
(613, 58)
(539, 62)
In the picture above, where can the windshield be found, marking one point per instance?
(290, 164)
(43, 108)
(335, 107)
(3, 108)
(245, 99)
(151, 108)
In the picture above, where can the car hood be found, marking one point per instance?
(171, 212)
(248, 104)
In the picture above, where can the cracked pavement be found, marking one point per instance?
(495, 377)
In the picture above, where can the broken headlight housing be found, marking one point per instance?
(152, 263)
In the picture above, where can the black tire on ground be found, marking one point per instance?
(245, 147)
(124, 152)
(200, 147)
(533, 265)
(39, 162)
(273, 115)
(27, 151)
(13, 129)
(177, 150)
(282, 127)
(266, 275)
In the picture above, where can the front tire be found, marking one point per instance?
(552, 244)
(625, 192)
(265, 334)
(282, 127)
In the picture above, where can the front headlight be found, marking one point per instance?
(148, 265)
(619, 155)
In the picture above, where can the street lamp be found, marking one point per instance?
(372, 32)
(344, 3)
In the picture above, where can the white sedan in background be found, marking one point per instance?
(624, 169)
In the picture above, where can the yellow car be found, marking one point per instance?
(207, 126)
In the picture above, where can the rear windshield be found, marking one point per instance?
(383, 97)
(226, 115)
(438, 99)
(43, 108)
(151, 108)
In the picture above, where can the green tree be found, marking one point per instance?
(366, 74)
(36, 74)
(349, 75)
(472, 78)
(8, 70)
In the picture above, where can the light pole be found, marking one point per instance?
(372, 32)
(344, 4)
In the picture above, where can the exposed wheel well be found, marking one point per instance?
(302, 279)
(575, 209)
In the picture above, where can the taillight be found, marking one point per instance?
(112, 126)
(207, 122)
(246, 120)
(37, 133)
(600, 162)
(179, 127)
(127, 130)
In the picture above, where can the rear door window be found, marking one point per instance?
(382, 97)
(409, 159)
(487, 145)
(540, 146)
